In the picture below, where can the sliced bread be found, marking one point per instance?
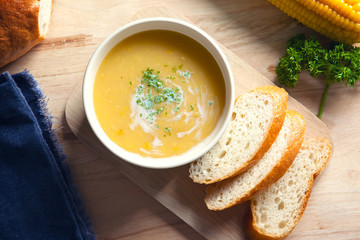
(276, 211)
(266, 171)
(256, 121)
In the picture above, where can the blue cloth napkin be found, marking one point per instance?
(38, 199)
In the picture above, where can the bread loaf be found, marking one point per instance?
(256, 121)
(276, 211)
(265, 172)
(23, 24)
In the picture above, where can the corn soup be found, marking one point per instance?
(158, 93)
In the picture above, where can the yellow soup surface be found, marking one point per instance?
(158, 93)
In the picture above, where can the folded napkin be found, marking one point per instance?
(38, 199)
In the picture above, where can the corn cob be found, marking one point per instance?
(338, 20)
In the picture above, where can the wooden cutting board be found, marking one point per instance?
(173, 188)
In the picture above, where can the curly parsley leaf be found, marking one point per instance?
(338, 63)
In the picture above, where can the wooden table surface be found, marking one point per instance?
(252, 29)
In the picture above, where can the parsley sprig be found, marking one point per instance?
(338, 63)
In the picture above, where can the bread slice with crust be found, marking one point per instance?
(24, 23)
(266, 171)
(256, 121)
(276, 211)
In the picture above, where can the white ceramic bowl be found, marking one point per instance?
(158, 24)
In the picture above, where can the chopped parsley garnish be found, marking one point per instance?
(153, 95)
(167, 129)
(171, 96)
(159, 98)
(187, 74)
(210, 102)
(140, 89)
(152, 79)
(159, 110)
(148, 102)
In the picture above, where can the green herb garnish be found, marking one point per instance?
(148, 102)
(167, 129)
(159, 110)
(187, 74)
(149, 99)
(140, 89)
(339, 63)
(152, 79)
(159, 98)
(171, 96)
(191, 107)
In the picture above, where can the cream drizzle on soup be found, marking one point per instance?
(158, 93)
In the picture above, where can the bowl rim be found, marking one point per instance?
(157, 23)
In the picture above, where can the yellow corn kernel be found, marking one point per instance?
(147, 146)
(356, 28)
(339, 6)
(351, 2)
(356, 7)
(120, 132)
(336, 19)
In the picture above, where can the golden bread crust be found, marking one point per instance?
(298, 126)
(254, 233)
(281, 98)
(295, 141)
(19, 29)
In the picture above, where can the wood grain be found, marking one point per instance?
(253, 30)
(173, 188)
